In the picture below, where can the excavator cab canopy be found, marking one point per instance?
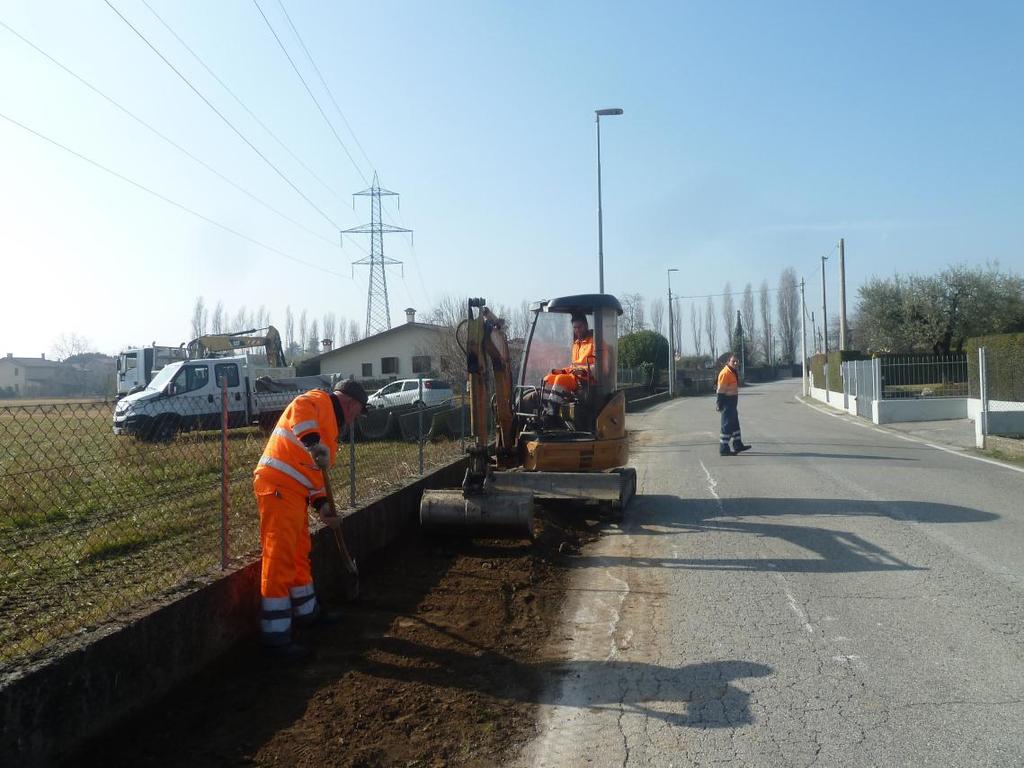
(549, 342)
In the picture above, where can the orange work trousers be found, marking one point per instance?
(286, 581)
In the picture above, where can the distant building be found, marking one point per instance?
(25, 376)
(403, 352)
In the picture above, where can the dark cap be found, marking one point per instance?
(354, 390)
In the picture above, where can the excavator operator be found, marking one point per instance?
(564, 382)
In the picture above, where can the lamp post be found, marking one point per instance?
(598, 114)
(671, 339)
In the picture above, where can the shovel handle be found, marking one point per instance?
(346, 556)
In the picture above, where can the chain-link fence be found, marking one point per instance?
(97, 522)
(997, 383)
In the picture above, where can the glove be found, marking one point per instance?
(321, 455)
(327, 515)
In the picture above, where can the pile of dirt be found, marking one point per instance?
(434, 665)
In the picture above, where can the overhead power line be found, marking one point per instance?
(327, 88)
(163, 136)
(316, 101)
(241, 103)
(220, 114)
(730, 293)
(168, 200)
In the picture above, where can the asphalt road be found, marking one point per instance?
(840, 595)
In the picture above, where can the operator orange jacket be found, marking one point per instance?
(286, 460)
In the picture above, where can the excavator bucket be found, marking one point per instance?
(493, 514)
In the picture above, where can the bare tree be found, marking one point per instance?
(787, 306)
(697, 329)
(329, 323)
(69, 345)
(766, 321)
(303, 339)
(342, 331)
(728, 314)
(519, 321)
(243, 320)
(262, 319)
(353, 331)
(632, 319)
(658, 316)
(749, 320)
(313, 341)
(217, 319)
(199, 316)
(289, 328)
(711, 327)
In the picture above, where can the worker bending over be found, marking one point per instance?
(563, 382)
(727, 403)
(288, 480)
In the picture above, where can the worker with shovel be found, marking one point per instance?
(289, 478)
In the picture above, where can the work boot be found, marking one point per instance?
(725, 452)
(290, 653)
(740, 448)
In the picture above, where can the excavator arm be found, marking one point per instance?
(214, 343)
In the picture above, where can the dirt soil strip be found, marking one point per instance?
(437, 664)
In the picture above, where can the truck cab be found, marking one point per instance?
(136, 367)
(184, 396)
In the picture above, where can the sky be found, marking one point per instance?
(754, 136)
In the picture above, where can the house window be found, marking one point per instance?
(15, 373)
(367, 370)
(421, 364)
(389, 366)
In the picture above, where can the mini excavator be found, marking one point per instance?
(574, 451)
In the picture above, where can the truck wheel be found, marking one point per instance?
(267, 422)
(161, 429)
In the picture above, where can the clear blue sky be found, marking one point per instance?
(755, 135)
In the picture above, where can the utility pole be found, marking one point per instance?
(671, 339)
(814, 334)
(842, 294)
(378, 312)
(803, 338)
(824, 306)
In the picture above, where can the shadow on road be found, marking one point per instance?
(829, 550)
(694, 695)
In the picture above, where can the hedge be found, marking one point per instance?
(1005, 354)
(835, 362)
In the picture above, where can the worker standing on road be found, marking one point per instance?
(288, 480)
(727, 403)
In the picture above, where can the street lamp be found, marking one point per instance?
(598, 114)
(671, 338)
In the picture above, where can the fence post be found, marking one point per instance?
(224, 496)
(419, 424)
(981, 427)
(352, 464)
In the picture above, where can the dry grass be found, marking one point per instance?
(93, 524)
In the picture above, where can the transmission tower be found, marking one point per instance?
(378, 311)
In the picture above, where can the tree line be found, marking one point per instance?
(768, 328)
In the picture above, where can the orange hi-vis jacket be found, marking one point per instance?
(583, 351)
(728, 383)
(286, 459)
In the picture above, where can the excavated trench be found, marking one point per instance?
(434, 665)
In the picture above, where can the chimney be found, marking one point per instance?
(10, 355)
(328, 344)
(410, 315)
(43, 355)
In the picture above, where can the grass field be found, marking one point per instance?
(93, 525)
